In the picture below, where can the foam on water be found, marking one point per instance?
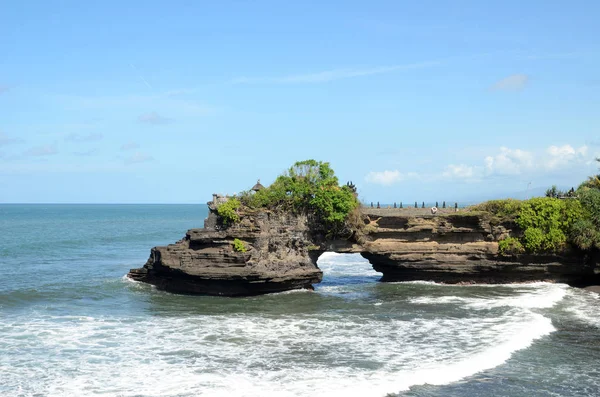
(250, 355)
(321, 352)
(585, 306)
(528, 296)
(353, 265)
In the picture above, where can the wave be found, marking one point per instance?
(585, 306)
(250, 355)
(529, 296)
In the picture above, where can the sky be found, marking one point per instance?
(169, 102)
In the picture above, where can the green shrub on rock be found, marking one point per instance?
(228, 211)
(590, 200)
(585, 235)
(310, 187)
(239, 246)
(510, 246)
(547, 222)
(507, 209)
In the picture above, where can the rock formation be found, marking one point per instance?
(462, 248)
(277, 257)
(281, 250)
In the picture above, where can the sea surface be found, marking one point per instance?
(71, 324)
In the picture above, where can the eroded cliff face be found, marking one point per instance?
(462, 248)
(282, 251)
(278, 257)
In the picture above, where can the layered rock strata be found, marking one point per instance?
(462, 248)
(277, 257)
(281, 251)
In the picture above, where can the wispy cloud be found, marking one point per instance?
(555, 55)
(7, 140)
(129, 146)
(140, 75)
(509, 162)
(331, 75)
(86, 153)
(388, 177)
(78, 137)
(154, 118)
(504, 163)
(41, 151)
(514, 82)
(561, 156)
(175, 106)
(179, 92)
(4, 88)
(138, 157)
(462, 172)
(513, 162)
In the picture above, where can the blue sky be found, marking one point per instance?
(168, 102)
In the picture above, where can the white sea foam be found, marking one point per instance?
(530, 296)
(417, 282)
(129, 280)
(256, 356)
(321, 353)
(334, 264)
(293, 291)
(585, 306)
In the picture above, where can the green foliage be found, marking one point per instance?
(239, 246)
(585, 235)
(555, 192)
(505, 209)
(590, 200)
(533, 238)
(308, 186)
(510, 246)
(547, 222)
(593, 182)
(228, 211)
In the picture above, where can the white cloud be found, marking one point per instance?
(518, 161)
(509, 162)
(460, 171)
(388, 177)
(331, 75)
(515, 82)
(560, 156)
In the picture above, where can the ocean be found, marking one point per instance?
(72, 324)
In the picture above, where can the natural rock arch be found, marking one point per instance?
(281, 252)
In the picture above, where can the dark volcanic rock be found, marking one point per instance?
(282, 250)
(462, 248)
(204, 262)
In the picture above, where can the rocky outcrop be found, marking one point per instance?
(277, 257)
(462, 248)
(281, 250)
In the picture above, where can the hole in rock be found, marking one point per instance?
(345, 269)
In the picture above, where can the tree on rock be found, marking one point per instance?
(311, 187)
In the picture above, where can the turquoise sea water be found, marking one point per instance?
(72, 325)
